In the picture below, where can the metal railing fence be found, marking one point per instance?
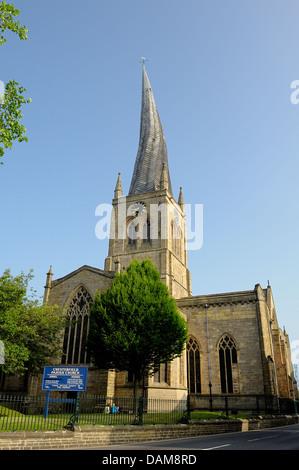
(22, 412)
(250, 404)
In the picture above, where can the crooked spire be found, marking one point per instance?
(152, 150)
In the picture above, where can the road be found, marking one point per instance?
(282, 438)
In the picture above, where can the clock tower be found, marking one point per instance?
(149, 222)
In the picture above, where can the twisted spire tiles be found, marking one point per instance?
(152, 150)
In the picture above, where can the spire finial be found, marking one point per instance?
(48, 285)
(181, 199)
(164, 177)
(118, 192)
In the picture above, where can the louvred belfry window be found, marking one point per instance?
(75, 335)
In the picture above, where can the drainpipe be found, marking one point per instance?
(277, 382)
(209, 359)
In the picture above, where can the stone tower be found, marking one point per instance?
(148, 222)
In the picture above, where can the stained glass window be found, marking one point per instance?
(75, 335)
(193, 366)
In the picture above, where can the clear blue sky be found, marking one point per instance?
(221, 74)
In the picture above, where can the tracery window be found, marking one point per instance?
(76, 331)
(139, 228)
(228, 363)
(193, 366)
(132, 233)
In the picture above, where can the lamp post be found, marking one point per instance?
(209, 359)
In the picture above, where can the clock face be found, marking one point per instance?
(137, 208)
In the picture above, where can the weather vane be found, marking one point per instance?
(143, 59)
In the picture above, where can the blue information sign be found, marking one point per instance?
(65, 379)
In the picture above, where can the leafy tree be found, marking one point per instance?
(135, 325)
(10, 104)
(7, 14)
(31, 332)
(11, 115)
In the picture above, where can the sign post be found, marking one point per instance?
(46, 410)
(64, 379)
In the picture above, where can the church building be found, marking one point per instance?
(235, 344)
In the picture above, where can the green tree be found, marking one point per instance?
(135, 325)
(7, 22)
(31, 332)
(11, 102)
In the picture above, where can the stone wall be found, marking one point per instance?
(234, 314)
(97, 437)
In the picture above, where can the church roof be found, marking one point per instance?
(152, 150)
(83, 268)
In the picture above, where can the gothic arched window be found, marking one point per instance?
(227, 362)
(75, 335)
(193, 366)
(146, 229)
(138, 228)
(132, 232)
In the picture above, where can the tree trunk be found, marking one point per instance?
(138, 403)
(136, 387)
